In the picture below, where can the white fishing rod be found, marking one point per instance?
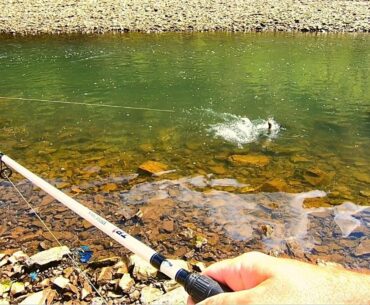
(198, 286)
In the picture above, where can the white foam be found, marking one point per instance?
(241, 130)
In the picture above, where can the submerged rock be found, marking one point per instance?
(275, 185)
(253, 160)
(51, 255)
(153, 167)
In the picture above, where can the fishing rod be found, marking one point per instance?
(198, 286)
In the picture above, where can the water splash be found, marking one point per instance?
(241, 130)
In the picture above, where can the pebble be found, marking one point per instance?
(142, 270)
(149, 294)
(49, 16)
(126, 283)
(61, 282)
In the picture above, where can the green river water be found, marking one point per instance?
(218, 88)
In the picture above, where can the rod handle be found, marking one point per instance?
(201, 287)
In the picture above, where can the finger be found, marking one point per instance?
(243, 272)
(190, 301)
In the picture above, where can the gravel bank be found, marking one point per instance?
(92, 16)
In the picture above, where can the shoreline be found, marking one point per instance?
(98, 17)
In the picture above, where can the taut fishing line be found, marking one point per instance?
(84, 104)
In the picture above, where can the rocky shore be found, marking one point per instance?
(89, 16)
(52, 277)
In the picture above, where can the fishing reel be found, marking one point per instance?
(5, 172)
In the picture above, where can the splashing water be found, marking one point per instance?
(241, 130)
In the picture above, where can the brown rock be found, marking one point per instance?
(168, 226)
(218, 169)
(153, 167)
(106, 275)
(275, 185)
(299, 159)
(363, 248)
(253, 160)
(316, 202)
(316, 176)
(362, 177)
(365, 193)
(109, 187)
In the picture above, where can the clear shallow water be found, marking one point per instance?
(316, 88)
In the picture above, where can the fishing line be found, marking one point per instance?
(84, 104)
(76, 265)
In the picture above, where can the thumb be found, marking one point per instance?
(239, 297)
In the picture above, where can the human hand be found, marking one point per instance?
(257, 278)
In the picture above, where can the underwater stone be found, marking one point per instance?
(254, 160)
(153, 167)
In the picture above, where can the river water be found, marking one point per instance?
(301, 101)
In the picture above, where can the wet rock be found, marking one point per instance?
(365, 193)
(299, 159)
(149, 294)
(362, 177)
(52, 255)
(168, 226)
(363, 248)
(105, 275)
(142, 270)
(275, 185)
(61, 282)
(91, 170)
(153, 167)
(252, 160)
(218, 169)
(316, 176)
(316, 202)
(38, 298)
(177, 296)
(17, 288)
(110, 187)
(126, 283)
